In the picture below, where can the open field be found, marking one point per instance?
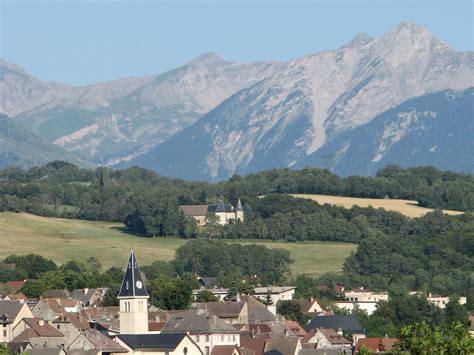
(407, 207)
(62, 240)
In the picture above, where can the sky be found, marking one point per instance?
(85, 42)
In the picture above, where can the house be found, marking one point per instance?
(226, 350)
(368, 307)
(346, 324)
(71, 325)
(15, 285)
(253, 344)
(207, 330)
(20, 297)
(292, 327)
(282, 346)
(326, 338)
(364, 295)
(276, 293)
(442, 301)
(230, 312)
(377, 345)
(224, 212)
(51, 308)
(57, 294)
(11, 313)
(310, 306)
(258, 313)
(170, 344)
(37, 333)
(220, 293)
(91, 341)
(89, 296)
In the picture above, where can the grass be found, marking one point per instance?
(406, 207)
(62, 240)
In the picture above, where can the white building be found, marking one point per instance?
(277, 293)
(361, 295)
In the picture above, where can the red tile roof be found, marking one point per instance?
(16, 284)
(295, 328)
(224, 350)
(377, 344)
(156, 326)
(255, 344)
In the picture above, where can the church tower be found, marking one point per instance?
(133, 300)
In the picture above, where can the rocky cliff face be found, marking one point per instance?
(291, 115)
(211, 118)
(114, 121)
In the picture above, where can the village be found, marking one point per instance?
(75, 322)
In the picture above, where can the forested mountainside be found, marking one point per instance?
(20, 147)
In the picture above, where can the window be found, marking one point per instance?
(233, 338)
(185, 350)
(58, 326)
(4, 333)
(197, 338)
(207, 337)
(222, 338)
(207, 350)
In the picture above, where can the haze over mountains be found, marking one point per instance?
(401, 99)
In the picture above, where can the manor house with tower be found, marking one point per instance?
(225, 212)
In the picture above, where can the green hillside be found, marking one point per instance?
(62, 240)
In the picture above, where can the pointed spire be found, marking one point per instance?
(239, 206)
(220, 206)
(132, 284)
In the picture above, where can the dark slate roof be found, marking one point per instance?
(220, 206)
(9, 310)
(214, 208)
(349, 324)
(239, 206)
(132, 284)
(152, 341)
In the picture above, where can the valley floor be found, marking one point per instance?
(62, 240)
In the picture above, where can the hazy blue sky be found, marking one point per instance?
(86, 42)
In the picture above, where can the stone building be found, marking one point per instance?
(225, 212)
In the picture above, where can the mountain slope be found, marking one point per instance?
(434, 129)
(105, 122)
(286, 118)
(18, 147)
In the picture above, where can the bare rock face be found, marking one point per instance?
(289, 116)
(211, 118)
(112, 121)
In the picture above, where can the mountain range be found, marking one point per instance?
(404, 98)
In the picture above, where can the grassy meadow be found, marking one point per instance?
(406, 207)
(62, 240)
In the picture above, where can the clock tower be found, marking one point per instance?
(133, 300)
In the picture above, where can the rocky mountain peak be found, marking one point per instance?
(361, 39)
(208, 58)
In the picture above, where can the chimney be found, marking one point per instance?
(237, 297)
(41, 322)
(86, 290)
(339, 331)
(157, 318)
